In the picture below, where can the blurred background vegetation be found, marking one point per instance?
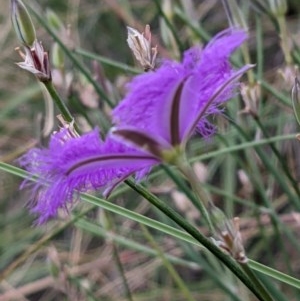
(78, 256)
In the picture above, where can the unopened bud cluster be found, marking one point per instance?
(251, 95)
(36, 60)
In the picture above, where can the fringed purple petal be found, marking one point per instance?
(145, 91)
(224, 44)
(220, 93)
(151, 101)
(73, 165)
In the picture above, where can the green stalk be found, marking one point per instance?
(243, 146)
(259, 49)
(170, 26)
(100, 203)
(97, 230)
(247, 60)
(107, 61)
(197, 29)
(283, 33)
(294, 282)
(228, 261)
(255, 280)
(266, 161)
(59, 102)
(188, 192)
(204, 200)
(278, 155)
(206, 242)
(73, 59)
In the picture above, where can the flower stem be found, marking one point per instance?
(245, 267)
(206, 242)
(284, 39)
(59, 103)
(203, 198)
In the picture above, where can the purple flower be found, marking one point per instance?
(77, 164)
(153, 123)
(163, 108)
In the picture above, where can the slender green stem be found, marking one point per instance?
(259, 48)
(278, 155)
(73, 58)
(285, 100)
(196, 27)
(256, 281)
(204, 200)
(274, 274)
(247, 60)
(59, 102)
(283, 33)
(100, 203)
(187, 191)
(185, 291)
(107, 61)
(227, 260)
(243, 146)
(199, 263)
(95, 229)
(170, 26)
(270, 166)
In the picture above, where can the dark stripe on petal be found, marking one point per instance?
(217, 93)
(110, 161)
(174, 115)
(142, 140)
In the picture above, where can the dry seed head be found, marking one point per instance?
(36, 61)
(230, 240)
(228, 234)
(140, 45)
(70, 133)
(251, 95)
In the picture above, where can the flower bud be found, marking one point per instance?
(22, 23)
(278, 7)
